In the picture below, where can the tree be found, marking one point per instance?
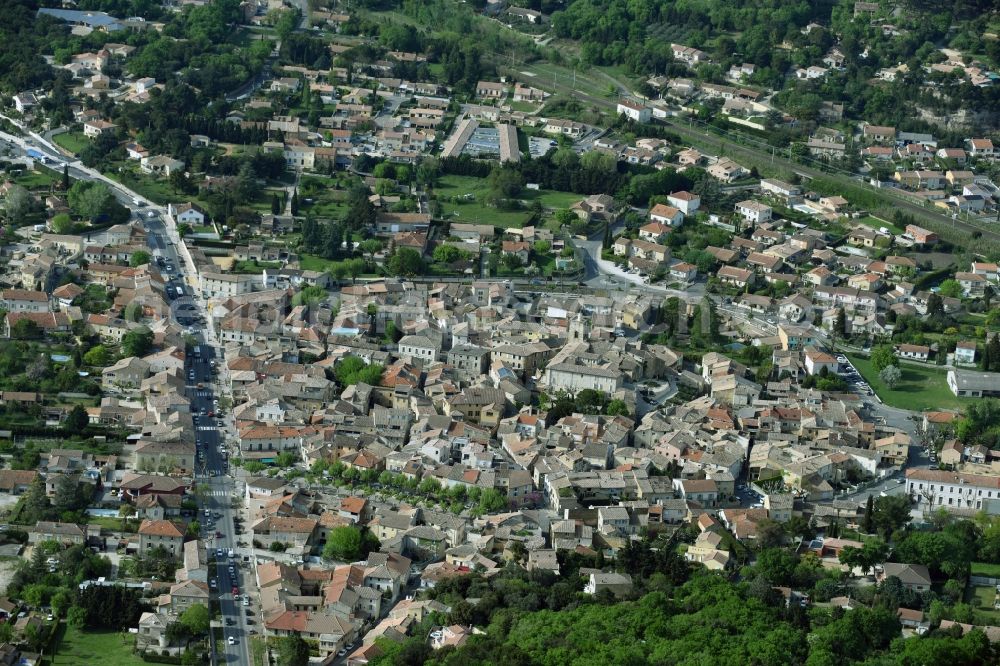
(405, 262)
(840, 327)
(35, 502)
(616, 408)
(77, 617)
(294, 206)
(61, 224)
(565, 217)
(77, 419)
(355, 267)
(137, 342)
(449, 254)
(292, 650)
(97, 356)
(951, 288)
(275, 204)
(491, 500)
(90, 199)
(891, 513)
(343, 543)
(18, 204)
(196, 619)
(65, 177)
(867, 521)
(139, 258)
(25, 329)
(371, 247)
(890, 375)
(865, 558)
(882, 357)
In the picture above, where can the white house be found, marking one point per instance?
(685, 201)
(965, 352)
(666, 215)
(753, 211)
(949, 490)
(634, 111)
(816, 360)
(187, 213)
(25, 102)
(419, 348)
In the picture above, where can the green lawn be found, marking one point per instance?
(312, 262)
(74, 142)
(473, 211)
(919, 389)
(157, 191)
(525, 107)
(982, 598)
(107, 648)
(258, 651)
(985, 569)
(876, 224)
(36, 179)
(113, 524)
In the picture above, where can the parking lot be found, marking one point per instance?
(539, 145)
(853, 377)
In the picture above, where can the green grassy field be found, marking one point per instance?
(982, 598)
(876, 224)
(310, 262)
(74, 142)
(157, 191)
(985, 569)
(473, 211)
(919, 389)
(107, 648)
(35, 179)
(258, 651)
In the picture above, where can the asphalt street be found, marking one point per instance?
(221, 526)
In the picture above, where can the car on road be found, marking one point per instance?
(232, 640)
(235, 590)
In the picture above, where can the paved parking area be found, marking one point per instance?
(850, 374)
(538, 145)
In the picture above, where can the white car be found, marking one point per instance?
(232, 640)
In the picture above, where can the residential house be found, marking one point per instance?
(161, 534)
(668, 215)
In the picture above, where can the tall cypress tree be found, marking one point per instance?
(867, 523)
(295, 202)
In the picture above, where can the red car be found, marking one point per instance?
(236, 590)
(211, 413)
(218, 535)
